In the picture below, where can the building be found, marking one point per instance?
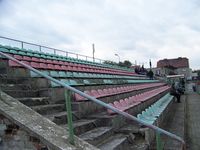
(174, 66)
(180, 62)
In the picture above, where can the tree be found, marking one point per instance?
(126, 63)
(150, 74)
(110, 62)
(198, 73)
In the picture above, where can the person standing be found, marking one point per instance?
(175, 92)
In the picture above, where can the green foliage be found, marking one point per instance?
(110, 62)
(126, 63)
(198, 72)
(150, 74)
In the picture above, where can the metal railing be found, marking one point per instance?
(69, 89)
(55, 51)
(42, 48)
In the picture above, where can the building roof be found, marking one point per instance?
(181, 62)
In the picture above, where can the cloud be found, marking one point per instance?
(136, 30)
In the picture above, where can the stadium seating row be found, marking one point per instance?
(74, 74)
(152, 113)
(61, 65)
(113, 91)
(43, 55)
(125, 104)
(74, 82)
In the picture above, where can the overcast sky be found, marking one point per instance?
(137, 30)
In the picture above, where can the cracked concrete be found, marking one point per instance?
(49, 133)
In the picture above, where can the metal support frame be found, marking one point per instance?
(0, 92)
(69, 115)
(40, 48)
(159, 145)
(126, 115)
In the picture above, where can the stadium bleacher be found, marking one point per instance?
(120, 87)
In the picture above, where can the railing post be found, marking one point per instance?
(40, 48)
(69, 115)
(158, 142)
(22, 45)
(183, 147)
(0, 92)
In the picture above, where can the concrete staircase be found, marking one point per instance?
(98, 131)
(91, 122)
(38, 105)
(23, 128)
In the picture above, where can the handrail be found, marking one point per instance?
(126, 115)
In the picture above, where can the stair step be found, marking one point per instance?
(82, 126)
(133, 128)
(22, 93)
(8, 80)
(34, 101)
(49, 109)
(104, 118)
(61, 117)
(97, 135)
(140, 144)
(116, 142)
(15, 86)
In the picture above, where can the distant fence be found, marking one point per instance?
(41, 48)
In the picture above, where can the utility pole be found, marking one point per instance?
(150, 63)
(93, 50)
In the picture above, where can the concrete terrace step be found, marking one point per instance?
(104, 117)
(8, 80)
(97, 135)
(133, 128)
(14, 86)
(135, 137)
(116, 142)
(49, 109)
(55, 137)
(34, 101)
(139, 144)
(22, 93)
(82, 126)
(61, 117)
